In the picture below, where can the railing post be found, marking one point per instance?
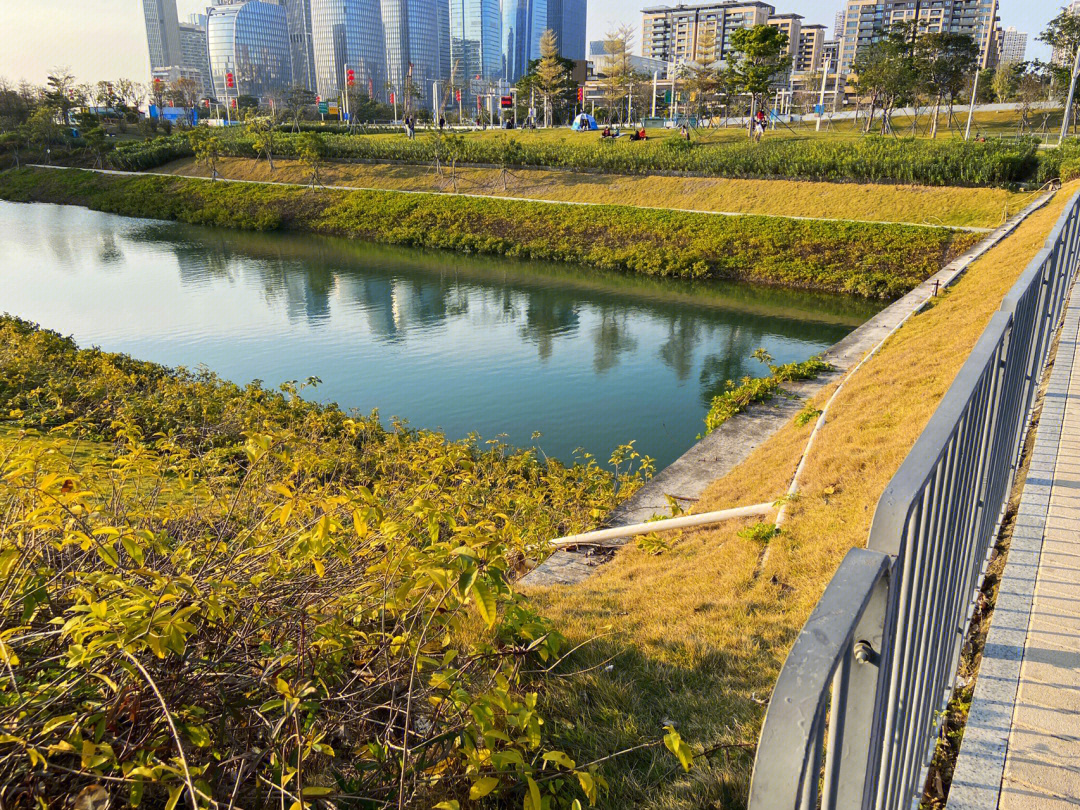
(849, 769)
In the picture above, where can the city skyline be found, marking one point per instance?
(110, 41)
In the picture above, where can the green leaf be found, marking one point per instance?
(483, 786)
(466, 580)
(450, 805)
(485, 603)
(174, 797)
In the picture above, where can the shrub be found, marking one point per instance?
(752, 390)
(233, 595)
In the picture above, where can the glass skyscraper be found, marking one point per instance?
(298, 13)
(251, 40)
(524, 22)
(348, 33)
(417, 33)
(476, 42)
(162, 33)
(567, 19)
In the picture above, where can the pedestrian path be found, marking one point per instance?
(1021, 745)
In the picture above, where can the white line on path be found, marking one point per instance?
(967, 228)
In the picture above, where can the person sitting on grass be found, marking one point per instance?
(606, 133)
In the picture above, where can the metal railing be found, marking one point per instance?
(855, 713)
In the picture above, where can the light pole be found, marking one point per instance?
(971, 106)
(821, 102)
(1072, 95)
(655, 76)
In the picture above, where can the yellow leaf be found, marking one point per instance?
(532, 801)
(485, 603)
(483, 786)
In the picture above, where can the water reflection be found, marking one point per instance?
(461, 343)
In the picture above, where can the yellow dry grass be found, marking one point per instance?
(964, 207)
(697, 636)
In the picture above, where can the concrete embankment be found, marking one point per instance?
(721, 451)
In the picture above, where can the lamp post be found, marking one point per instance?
(1072, 95)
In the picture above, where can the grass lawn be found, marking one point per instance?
(934, 205)
(695, 637)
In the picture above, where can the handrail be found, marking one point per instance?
(931, 536)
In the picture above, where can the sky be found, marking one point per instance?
(104, 39)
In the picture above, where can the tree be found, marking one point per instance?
(943, 60)
(42, 129)
(706, 78)
(296, 101)
(263, 132)
(157, 95)
(207, 148)
(617, 76)
(98, 144)
(312, 152)
(759, 58)
(552, 76)
(60, 92)
(186, 93)
(1004, 82)
(1063, 34)
(887, 72)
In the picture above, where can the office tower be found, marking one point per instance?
(197, 20)
(348, 35)
(1012, 46)
(301, 46)
(865, 19)
(567, 19)
(194, 60)
(415, 33)
(475, 42)
(838, 25)
(523, 24)
(249, 39)
(162, 33)
(673, 34)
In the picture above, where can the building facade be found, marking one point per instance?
(417, 35)
(195, 61)
(162, 33)
(567, 19)
(523, 23)
(676, 34)
(1012, 46)
(301, 42)
(476, 42)
(864, 20)
(810, 54)
(249, 39)
(348, 35)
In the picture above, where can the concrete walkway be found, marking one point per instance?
(1021, 747)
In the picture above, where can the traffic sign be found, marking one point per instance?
(324, 107)
(506, 102)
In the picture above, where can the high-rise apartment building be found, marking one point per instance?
(567, 19)
(809, 57)
(1058, 56)
(162, 33)
(791, 26)
(676, 34)
(417, 35)
(250, 40)
(194, 59)
(523, 24)
(838, 25)
(348, 35)
(476, 42)
(864, 21)
(1012, 46)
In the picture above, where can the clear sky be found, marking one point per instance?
(104, 39)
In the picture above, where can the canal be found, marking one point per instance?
(497, 347)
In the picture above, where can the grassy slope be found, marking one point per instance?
(712, 676)
(866, 259)
(978, 207)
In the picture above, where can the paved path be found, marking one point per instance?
(1021, 747)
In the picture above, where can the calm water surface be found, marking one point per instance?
(462, 344)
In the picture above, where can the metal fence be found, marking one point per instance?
(855, 714)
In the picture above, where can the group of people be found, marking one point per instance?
(410, 127)
(758, 125)
(636, 135)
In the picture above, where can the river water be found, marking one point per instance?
(503, 348)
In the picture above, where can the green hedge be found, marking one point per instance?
(866, 259)
(870, 159)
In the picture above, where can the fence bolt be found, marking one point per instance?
(864, 653)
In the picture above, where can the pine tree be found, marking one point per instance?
(551, 74)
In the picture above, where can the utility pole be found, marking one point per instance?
(1072, 95)
(821, 101)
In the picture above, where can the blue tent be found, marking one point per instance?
(584, 122)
